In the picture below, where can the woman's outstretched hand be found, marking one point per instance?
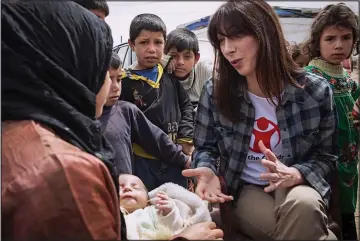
(279, 175)
(208, 185)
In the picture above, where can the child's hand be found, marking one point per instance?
(187, 148)
(188, 163)
(171, 66)
(164, 205)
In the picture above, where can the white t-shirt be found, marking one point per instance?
(265, 129)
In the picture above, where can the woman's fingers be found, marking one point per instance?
(273, 177)
(269, 188)
(212, 225)
(200, 192)
(220, 197)
(273, 186)
(217, 234)
(210, 197)
(271, 166)
(217, 197)
(267, 152)
(191, 173)
(225, 197)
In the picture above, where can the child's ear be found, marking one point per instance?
(131, 44)
(197, 57)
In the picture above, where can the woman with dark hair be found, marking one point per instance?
(267, 128)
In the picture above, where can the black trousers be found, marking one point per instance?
(348, 227)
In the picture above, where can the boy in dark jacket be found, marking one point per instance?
(162, 99)
(123, 123)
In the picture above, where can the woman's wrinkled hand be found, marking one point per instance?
(208, 185)
(279, 175)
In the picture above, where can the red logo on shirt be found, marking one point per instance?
(264, 132)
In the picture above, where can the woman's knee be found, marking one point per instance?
(303, 200)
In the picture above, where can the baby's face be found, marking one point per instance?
(133, 193)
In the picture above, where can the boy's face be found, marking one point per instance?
(184, 61)
(133, 193)
(149, 48)
(115, 89)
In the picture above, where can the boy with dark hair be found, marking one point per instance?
(122, 123)
(115, 72)
(183, 46)
(99, 7)
(162, 99)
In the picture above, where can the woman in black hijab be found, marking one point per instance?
(55, 57)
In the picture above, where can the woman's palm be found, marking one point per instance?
(208, 185)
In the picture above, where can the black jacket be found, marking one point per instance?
(166, 103)
(123, 123)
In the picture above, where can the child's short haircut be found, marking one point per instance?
(146, 21)
(182, 39)
(115, 61)
(100, 5)
(339, 15)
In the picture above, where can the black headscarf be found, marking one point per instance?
(55, 55)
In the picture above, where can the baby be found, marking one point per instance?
(160, 214)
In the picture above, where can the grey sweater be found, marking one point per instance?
(195, 82)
